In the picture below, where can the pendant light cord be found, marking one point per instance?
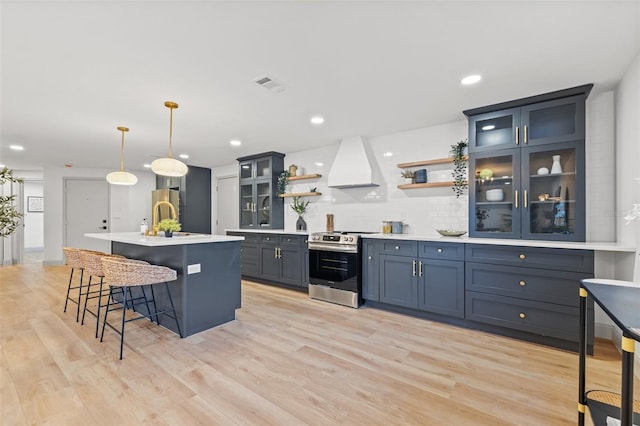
(170, 129)
(122, 153)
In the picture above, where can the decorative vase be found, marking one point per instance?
(301, 225)
(556, 167)
(408, 180)
(168, 234)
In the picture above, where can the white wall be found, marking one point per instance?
(129, 204)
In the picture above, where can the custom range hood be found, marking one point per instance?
(352, 168)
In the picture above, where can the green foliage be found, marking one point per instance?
(171, 225)
(283, 181)
(459, 168)
(299, 206)
(9, 216)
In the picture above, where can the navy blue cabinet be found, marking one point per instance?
(275, 258)
(370, 276)
(398, 280)
(527, 167)
(260, 206)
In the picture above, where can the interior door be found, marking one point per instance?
(86, 211)
(227, 204)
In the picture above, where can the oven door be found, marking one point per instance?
(334, 269)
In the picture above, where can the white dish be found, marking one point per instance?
(495, 195)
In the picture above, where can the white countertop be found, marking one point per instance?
(269, 231)
(600, 246)
(161, 240)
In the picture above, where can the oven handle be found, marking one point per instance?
(334, 249)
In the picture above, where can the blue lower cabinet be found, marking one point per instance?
(399, 280)
(370, 277)
(441, 287)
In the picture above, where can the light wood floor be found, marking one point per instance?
(286, 360)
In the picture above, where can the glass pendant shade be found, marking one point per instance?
(121, 177)
(169, 166)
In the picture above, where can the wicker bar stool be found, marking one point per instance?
(124, 275)
(72, 259)
(92, 265)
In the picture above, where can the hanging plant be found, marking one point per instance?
(460, 182)
(283, 181)
(9, 215)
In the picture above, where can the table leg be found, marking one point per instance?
(626, 409)
(582, 398)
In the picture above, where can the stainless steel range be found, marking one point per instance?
(335, 267)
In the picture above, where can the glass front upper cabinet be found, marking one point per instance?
(558, 120)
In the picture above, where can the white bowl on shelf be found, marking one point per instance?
(495, 195)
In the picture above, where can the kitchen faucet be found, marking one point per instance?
(154, 217)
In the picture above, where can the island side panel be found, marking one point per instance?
(215, 291)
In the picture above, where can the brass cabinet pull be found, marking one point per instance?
(522, 283)
(420, 269)
(414, 268)
(522, 256)
(517, 135)
(515, 198)
(524, 199)
(522, 315)
(526, 134)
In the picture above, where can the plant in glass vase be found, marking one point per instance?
(459, 153)
(300, 206)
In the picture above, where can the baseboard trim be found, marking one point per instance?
(52, 262)
(604, 331)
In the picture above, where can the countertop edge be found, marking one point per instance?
(148, 241)
(598, 246)
(268, 231)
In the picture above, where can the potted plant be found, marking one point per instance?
(300, 206)
(459, 153)
(9, 215)
(169, 226)
(283, 181)
(408, 175)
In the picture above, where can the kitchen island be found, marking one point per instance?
(207, 291)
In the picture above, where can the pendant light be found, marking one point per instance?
(121, 177)
(169, 166)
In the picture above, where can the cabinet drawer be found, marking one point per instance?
(545, 319)
(399, 248)
(292, 240)
(525, 283)
(533, 257)
(444, 251)
(269, 238)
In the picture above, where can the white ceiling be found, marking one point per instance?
(72, 71)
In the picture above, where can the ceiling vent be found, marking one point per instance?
(270, 84)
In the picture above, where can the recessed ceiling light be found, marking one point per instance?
(319, 164)
(471, 79)
(16, 147)
(146, 166)
(235, 142)
(488, 127)
(184, 156)
(317, 120)
(387, 154)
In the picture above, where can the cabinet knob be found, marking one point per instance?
(306, 241)
(241, 250)
(397, 247)
(288, 240)
(522, 256)
(522, 315)
(439, 250)
(268, 238)
(370, 257)
(522, 283)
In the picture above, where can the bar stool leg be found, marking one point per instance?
(106, 312)
(68, 289)
(124, 312)
(80, 294)
(175, 315)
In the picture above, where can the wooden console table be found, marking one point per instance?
(620, 300)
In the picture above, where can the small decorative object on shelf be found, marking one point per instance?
(481, 214)
(169, 226)
(458, 151)
(408, 175)
(556, 167)
(283, 181)
(293, 169)
(300, 206)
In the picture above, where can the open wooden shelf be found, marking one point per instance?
(425, 185)
(300, 194)
(311, 176)
(428, 162)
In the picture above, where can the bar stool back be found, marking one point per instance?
(125, 275)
